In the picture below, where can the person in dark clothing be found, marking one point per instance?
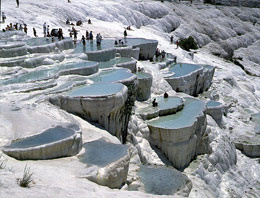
(25, 28)
(165, 95)
(90, 35)
(116, 43)
(89, 21)
(171, 39)
(87, 34)
(60, 34)
(125, 33)
(155, 104)
(75, 33)
(163, 53)
(17, 2)
(34, 32)
(83, 39)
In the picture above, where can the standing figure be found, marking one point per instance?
(125, 33)
(17, 2)
(89, 21)
(48, 30)
(177, 44)
(98, 39)
(83, 39)
(25, 28)
(3, 17)
(90, 35)
(87, 34)
(20, 27)
(171, 39)
(44, 29)
(34, 32)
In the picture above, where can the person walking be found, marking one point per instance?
(17, 3)
(34, 32)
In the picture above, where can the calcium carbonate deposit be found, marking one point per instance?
(101, 99)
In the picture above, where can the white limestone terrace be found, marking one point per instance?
(166, 106)
(161, 180)
(180, 132)
(144, 85)
(84, 68)
(98, 102)
(189, 78)
(216, 110)
(250, 146)
(107, 163)
(53, 143)
(226, 172)
(30, 46)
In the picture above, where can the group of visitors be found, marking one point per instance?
(16, 26)
(159, 53)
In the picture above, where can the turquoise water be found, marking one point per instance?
(92, 46)
(113, 62)
(101, 153)
(182, 69)
(141, 75)
(43, 74)
(77, 65)
(168, 103)
(38, 41)
(48, 136)
(185, 117)
(212, 103)
(113, 75)
(137, 41)
(161, 180)
(96, 89)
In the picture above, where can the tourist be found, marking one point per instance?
(67, 22)
(17, 2)
(25, 28)
(60, 34)
(90, 35)
(89, 21)
(75, 33)
(98, 39)
(48, 30)
(116, 43)
(44, 29)
(34, 32)
(70, 34)
(21, 27)
(177, 44)
(165, 95)
(155, 104)
(171, 38)
(125, 33)
(163, 53)
(87, 34)
(83, 39)
(3, 17)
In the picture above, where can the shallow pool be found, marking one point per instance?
(182, 69)
(101, 153)
(186, 117)
(96, 89)
(92, 46)
(113, 62)
(213, 103)
(113, 75)
(161, 180)
(48, 136)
